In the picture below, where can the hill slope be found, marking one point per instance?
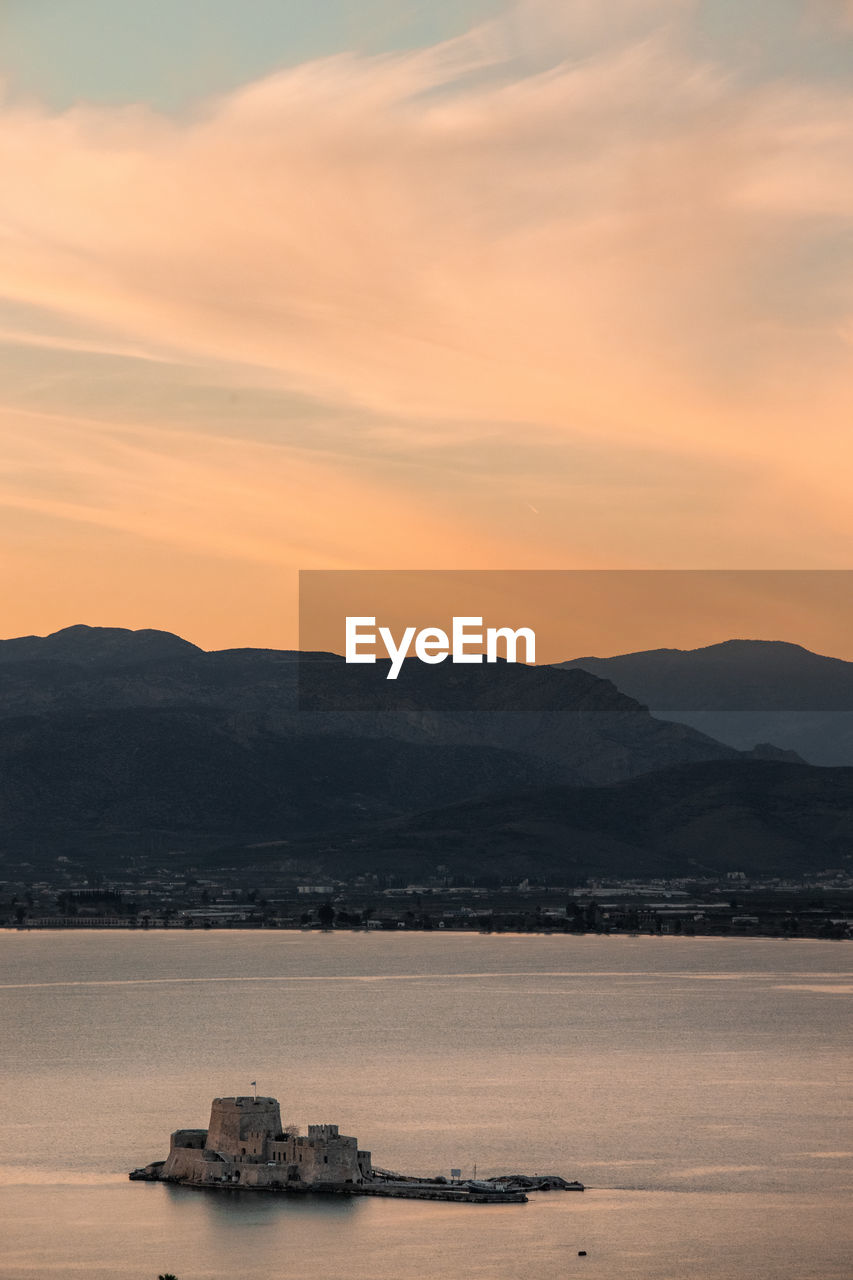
(744, 692)
(757, 817)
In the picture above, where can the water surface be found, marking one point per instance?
(698, 1087)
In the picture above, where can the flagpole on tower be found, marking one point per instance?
(254, 1085)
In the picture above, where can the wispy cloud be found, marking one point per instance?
(193, 492)
(564, 219)
(541, 247)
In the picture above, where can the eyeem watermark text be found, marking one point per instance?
(432, 644)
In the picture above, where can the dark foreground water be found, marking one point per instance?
(697, 1087)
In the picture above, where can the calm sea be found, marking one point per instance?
(696, 1086)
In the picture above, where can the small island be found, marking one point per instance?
(245, 1147)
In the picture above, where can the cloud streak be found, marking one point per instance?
(541, 226)
(389, 232)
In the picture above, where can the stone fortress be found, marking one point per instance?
(246, 1146)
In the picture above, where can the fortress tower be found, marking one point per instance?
(241, 1126)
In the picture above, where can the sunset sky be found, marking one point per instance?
(441, 284)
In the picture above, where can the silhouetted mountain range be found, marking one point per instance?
(91, 646)
(111, 740)
(578, 727)
(758, 817)
(744, 691)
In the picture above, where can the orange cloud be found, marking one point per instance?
(227, 497)
(540, 230)
(546, 249)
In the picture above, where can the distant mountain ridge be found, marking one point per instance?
(742, 692)
(83, 645)
(736, 675)
(111, 740)
(579, 727)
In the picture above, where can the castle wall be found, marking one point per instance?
(188, 1138)
(321, 1132)
(245, 1146)
(323, 1156)
(185, 1163)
